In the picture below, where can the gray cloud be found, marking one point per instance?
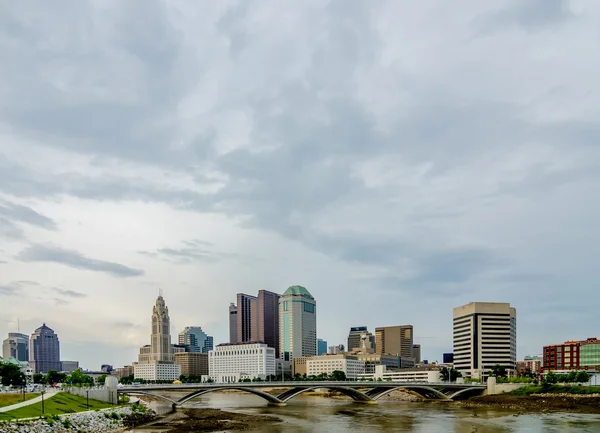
(69, 293)
(25, 214)
(460, 165)
(194, 251)
(74, 259)
(7, 290)
(60, 302)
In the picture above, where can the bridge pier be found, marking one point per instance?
(282, 404)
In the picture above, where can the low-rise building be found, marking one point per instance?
(529, 365)
(429, 375)
(124, 371)
(572, 355)
(349, 364)
(299, 365)
(192, 363)
(371, 360)
(233, 362)
(69, 366)
(157, 370)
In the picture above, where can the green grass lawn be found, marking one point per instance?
(60, 404)
(556, 389)
(9, 399)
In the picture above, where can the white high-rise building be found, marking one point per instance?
(230, 363)
(297, 324)
(157, 361)
(485, 334)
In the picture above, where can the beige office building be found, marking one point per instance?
(349, 364)
(192, 363)
(485, 334)
(394, 340)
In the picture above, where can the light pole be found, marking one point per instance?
(43, 401)
(87, 398)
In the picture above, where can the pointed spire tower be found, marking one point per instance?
(161, 332)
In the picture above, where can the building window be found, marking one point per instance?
(309, 308)
(286, 306)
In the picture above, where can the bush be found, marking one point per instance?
(66, 422)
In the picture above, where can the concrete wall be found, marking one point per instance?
(499, 388)
(105, 394)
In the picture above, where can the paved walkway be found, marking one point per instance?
(47, 395)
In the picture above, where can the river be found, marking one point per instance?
(321, 414)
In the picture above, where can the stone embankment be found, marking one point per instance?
(105, 421)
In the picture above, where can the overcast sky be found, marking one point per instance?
(397, 158)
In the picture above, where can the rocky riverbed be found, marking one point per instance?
(90, 422)
(208, 420)
(574, 403)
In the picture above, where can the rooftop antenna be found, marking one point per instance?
(160, 292)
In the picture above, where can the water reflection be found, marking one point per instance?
(316, 414)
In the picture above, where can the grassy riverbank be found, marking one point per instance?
(60, 404)
(556, 389)
(10, 399)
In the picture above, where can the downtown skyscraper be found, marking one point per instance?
(156, 361)
(44, 350)
(297, 324)
(255, 318)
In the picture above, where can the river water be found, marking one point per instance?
(321, 414)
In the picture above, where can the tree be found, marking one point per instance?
(38, 378)
(449, 374)
(77, 378)
(127, 380)
(550, 378)
(11, 374)
(337, 375)
(582, 377)
(101, 380)
(498, 371)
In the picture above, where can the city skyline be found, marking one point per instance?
(392, 166)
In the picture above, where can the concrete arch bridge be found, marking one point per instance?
(362, 392)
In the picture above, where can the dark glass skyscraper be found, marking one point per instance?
(256, 318)
(44, 350)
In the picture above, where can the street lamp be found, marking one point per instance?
(43, 401)
(87, 398)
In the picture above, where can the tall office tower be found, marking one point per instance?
(247, 324)
(232, 323)
(394, 340)
(297, 324)
(16, 346)
(196, 339)
(485, 334)
(44, 350)
(321, 347)
(360, 338)
(268, 318)
(417, 353)
(160, 341)
(157, 360)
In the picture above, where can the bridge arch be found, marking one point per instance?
(377, 393)
(135, 392)
(466, 391)
(350, 392)
(270, 398)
